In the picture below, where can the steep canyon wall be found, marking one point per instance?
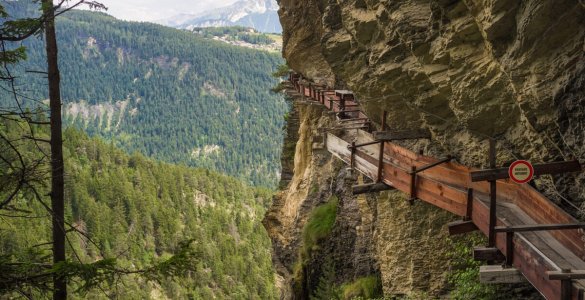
(465, 69)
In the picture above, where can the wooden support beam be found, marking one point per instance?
(412, 185)
(354, 119)
(488, 254)
(509, 249)
(461, 227)
(560, 275)
(344, 128)
(318, 146)
(493, 197)
(371, 188)
(343, 93)
(347, 111)
(566, 276)
(352, 161)
(499, 274)
(469, 212)
(364, 144)
(539, 169)
(381, 154)
(566, 289)
(397, 135)
(539, 227)
(429, 166)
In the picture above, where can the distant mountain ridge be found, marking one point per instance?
(166, 93)
(259, 14)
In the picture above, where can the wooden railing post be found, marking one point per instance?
(469, 212)
(509, 248)
(566, 287)
(412, 185)
(352, 160)
(381, 155)
(493, 196)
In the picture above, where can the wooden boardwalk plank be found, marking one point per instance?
(445, 186)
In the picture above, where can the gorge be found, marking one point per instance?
(466, 71)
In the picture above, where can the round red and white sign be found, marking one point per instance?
(521, 171)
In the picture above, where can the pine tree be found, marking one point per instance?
(327, 289)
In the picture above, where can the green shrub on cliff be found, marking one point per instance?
(320, 224)
(465, 275)
(368, 287)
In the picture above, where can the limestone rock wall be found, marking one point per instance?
(379, 236)
(412, 246)
(465, 69)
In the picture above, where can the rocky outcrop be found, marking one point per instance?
(465, 69)
(380, 236)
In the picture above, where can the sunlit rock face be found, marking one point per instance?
(378, 235)
(467, 70)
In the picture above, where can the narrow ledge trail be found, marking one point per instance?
(530, 236)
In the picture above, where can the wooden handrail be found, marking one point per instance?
(450, 187)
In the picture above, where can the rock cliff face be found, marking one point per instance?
(465, 69)
(381, 237)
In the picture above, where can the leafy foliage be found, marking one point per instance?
(327, 289)
(369, 287)
(176, 232)
(281, 71)
(320, 224)
(465, 275)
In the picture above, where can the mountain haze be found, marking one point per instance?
(258, 14)
(166, 93)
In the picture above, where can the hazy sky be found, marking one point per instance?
(150, 10)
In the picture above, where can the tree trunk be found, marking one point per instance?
(57, 165)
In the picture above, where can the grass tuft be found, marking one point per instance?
(320, 224)
(368, 287)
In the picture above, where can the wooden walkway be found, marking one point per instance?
(544, 257)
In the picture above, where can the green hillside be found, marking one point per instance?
(138, 211)
(169, 94)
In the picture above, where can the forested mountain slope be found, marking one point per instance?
(166, 93)
(138, 211)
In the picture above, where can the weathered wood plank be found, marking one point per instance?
(450, 178)
(488, 253)
(461, 227)
(499, 274)
(343, 92)
(560, 275)
(353, 119)
(397, 135)
(527, 255)
(338, 147)
(539, 227)
(371, 188)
